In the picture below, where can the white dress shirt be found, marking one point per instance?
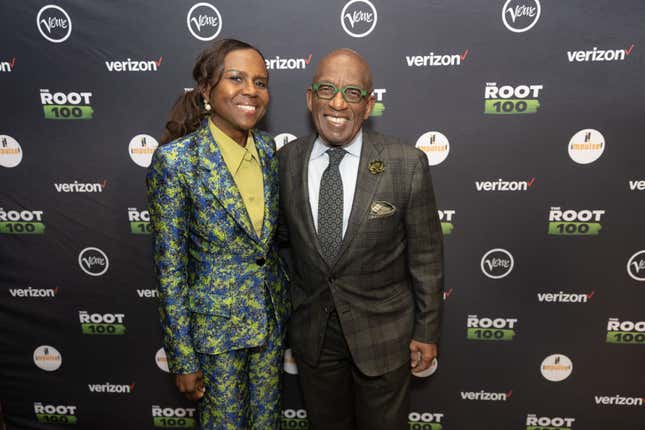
(348, 167)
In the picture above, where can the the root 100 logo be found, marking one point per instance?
(425, 421)
(379, 106)
(21, 222)
(446, 218)
(490, 329)
(507, 100)
(55, 414)
(533, 422)
(110, 324)
(72, 105)
(293, 419)
(173, 417)
(585, 222)
(625, 331)
(139, 221)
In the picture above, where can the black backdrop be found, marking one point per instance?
(532, 116)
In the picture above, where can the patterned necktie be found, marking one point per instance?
(330, 206)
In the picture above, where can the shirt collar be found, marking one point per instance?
(232, 152)
(353, 148)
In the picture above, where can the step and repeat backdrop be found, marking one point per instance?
(531, 113)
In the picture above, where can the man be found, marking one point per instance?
(367, 260)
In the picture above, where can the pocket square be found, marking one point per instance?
(381, 209)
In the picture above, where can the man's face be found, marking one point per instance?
(336, 120)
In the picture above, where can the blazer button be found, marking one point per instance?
(331, 279)
(260, 261)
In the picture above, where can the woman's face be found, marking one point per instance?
(240, 98)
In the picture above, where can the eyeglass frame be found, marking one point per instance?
(315, 86)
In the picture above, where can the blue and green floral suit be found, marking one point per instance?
(223, 291)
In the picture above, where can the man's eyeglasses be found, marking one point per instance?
(327, 91)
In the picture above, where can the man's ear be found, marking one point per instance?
(370, 105)
(309, 95)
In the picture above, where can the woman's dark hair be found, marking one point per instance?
(187, 112)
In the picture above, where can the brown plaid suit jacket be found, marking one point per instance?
(387, 280)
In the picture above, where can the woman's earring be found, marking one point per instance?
(207, 106)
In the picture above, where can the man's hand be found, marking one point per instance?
(421, 355)
(192, 384)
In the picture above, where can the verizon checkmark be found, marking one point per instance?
(629, 51)
(529, 183)
(13, 61)
(464, 55)
(308, 60)
(159, 62)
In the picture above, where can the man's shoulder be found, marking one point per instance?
(294, 147)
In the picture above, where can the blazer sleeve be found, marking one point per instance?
(168, 207)
(424, 253)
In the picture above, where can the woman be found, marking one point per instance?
(213, 200)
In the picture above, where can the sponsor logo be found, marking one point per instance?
(101, 323)
(290, 365)
(520, 15)
(282, 139)
(497, 263)
(55, 414)
(21, 222)
(278, 63)
(448, 293)
(435, 60)
(435, 145)
(485, 395)
(148, 293)
(47, 358)
(625, 331)
(34, 292)
(425, 420)
(635, 184)
(130, 65)
(502, 185)
(173, 417)
(10, 151)
(636, 266)
(556, 367)
(429, 371)
(599, 55)
(73, 105)
(204, 21)
(111, 388)
(162, 360)
(76, 187)
(619, 400)
(139, 221)
(379, 106)
(585, 222)
(586, 146)
(509, 100)
(7, 66)
(446, 216)
(141, 148)
(358, 18)
(533, 422)
(93, 261)
(53, 23)
(294, 419)
(490, 328)
(562, 297)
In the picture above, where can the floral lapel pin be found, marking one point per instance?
(376, 167)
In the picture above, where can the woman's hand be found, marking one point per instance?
(192, 385)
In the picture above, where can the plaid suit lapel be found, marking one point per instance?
(366, 184)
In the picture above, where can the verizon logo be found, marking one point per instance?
(502, 185)
(148, 294)
(77, 187)
(111, 388)
(484, 395)
(278, 63)
(433, 59)
(7, 66)
(637, 185)
(561, 297)
(130, 65)
(619, 400)
(33, 292)
(596, 54)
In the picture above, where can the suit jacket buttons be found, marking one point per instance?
(331, 279)
(260, 261)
